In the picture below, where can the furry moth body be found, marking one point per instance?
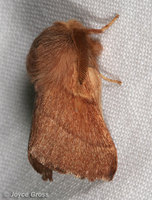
(68, 131)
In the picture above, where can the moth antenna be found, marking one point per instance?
(89, 31)
(79, 39)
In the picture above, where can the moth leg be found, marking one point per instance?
(110, 80)
(103, 28)
(78, 93)
(47, 174)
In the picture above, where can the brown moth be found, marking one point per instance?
(68, 131)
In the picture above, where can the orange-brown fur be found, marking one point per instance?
(68, 132)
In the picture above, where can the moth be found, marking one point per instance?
(68, 132)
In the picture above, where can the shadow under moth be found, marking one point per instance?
(68, 132)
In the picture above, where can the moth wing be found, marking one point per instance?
(71, 142)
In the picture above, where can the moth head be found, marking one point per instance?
(74, 24)
(54, 46)
(86, 47)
